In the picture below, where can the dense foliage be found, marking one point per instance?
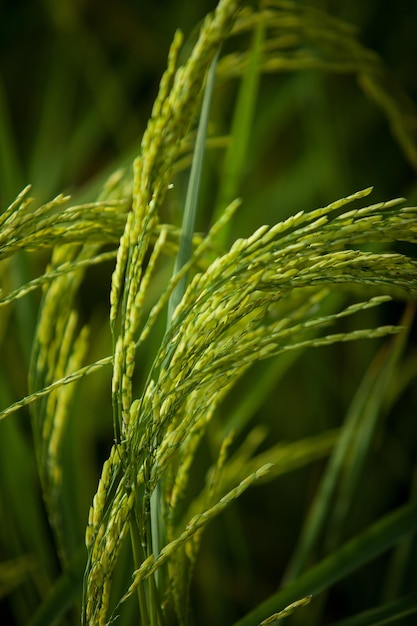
(156, 333)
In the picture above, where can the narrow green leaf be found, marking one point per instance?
(371, 415)
(236, 154)
(337, 488)
(11, 176)
(191, 200)
(387, 614)
(63, 593)
(183, 256)
(360, 550)
(48, 154)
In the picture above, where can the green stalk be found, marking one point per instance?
(138, 558)
(183, 256)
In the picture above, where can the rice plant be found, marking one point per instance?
(145, 414)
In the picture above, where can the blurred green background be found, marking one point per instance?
(79, 79)
(77, 83)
